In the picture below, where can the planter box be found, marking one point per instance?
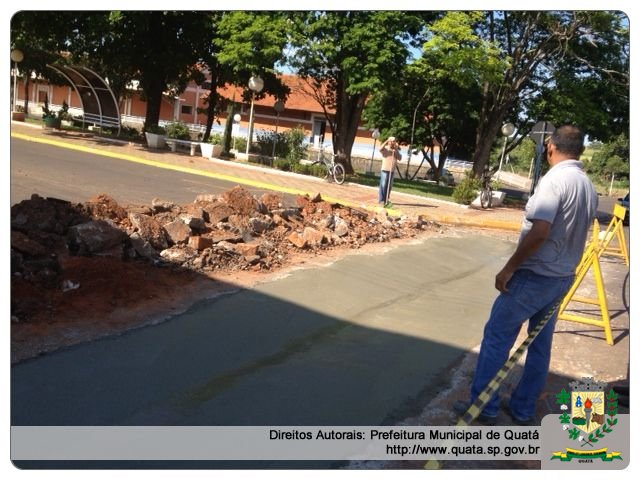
(154, 140)
(52, 122)
(18, 116)
(210, 150)
(497, 199)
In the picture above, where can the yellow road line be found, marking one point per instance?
(192, 171)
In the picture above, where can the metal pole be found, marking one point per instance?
(15, 86)
(250, 126)
(275, 138)
(613, 175)
(373, 152)
(413, 126)
(504, 149)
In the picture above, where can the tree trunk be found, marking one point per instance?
(27, 87)
(153, 88)
(486, 134)
(442, 158)
(228, 126)
(212, 101)
(348, 113)
(211, 111)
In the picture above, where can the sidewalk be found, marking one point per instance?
(349, 194)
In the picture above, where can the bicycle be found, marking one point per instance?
(334, 170)
(486, 193)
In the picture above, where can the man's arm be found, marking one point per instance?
(529, 245)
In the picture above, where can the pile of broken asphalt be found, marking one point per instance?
(230, 232)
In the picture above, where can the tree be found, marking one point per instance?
(436, 106)
(246, 44)
(611, 158)
(428, 113)
(344, 58)
(527, 48)
(38, 35)
(162, 48)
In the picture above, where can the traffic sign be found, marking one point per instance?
(540, 131)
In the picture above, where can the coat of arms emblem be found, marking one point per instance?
(587, 405)
(588, 415)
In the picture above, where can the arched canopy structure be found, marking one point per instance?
(99, 104)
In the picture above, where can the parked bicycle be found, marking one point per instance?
(334, 170)
(486, 193)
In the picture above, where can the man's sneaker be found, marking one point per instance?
(460, 407)
(523, 422)
(388, 205)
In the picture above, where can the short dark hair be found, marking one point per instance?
(569, 140)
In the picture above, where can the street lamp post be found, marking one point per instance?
(507, 130)
(236, 119)
(413, 127)
(279, 108)
(375, 135)
(256, 84)
(16, 56)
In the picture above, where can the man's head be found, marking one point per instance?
(393, 143)
(567, 142)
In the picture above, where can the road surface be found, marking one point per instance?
(52, 171)
(359, 342)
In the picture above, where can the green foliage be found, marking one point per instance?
(467, 190)
(240, 143)
(130, 133)
(265, 141)
(563, 398)
(157, 129)
(457, 53)
(289, 145)
(574, 433)
(527, 63)
(250, 42)
(315, 170)
(63, 113)
(282, 164)
(564, 418)
(294, 139)
(611, 158)
(216, 139)
(178, 130)
(347, 56)
(520, 157)
(46, 111)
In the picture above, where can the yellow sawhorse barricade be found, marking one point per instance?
(615, 230)
(598, 245)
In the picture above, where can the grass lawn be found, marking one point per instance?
(415, 187)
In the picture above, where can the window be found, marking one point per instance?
(186, 109)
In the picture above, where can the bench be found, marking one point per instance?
(174, 143)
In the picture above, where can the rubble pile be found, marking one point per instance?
(232, 231)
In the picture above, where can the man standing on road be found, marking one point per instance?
(538, 274)
(390, 152)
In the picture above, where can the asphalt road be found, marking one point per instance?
(52, 171)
